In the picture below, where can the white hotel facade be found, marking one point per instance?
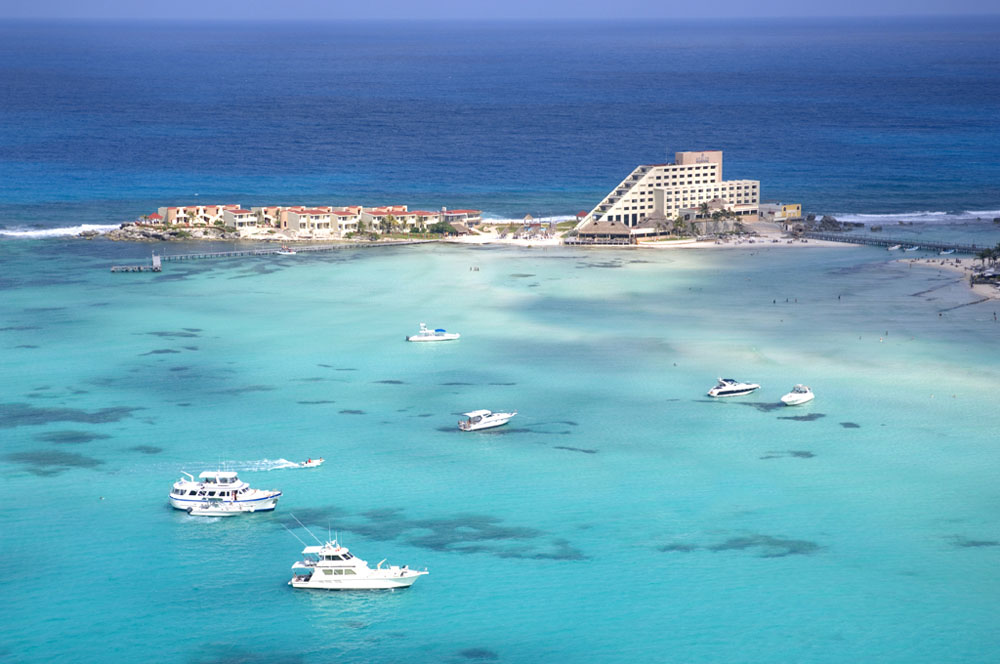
(665, 190)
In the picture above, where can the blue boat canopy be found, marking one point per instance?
(440, 329)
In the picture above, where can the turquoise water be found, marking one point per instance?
(621, 516)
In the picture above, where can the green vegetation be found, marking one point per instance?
(441, 228)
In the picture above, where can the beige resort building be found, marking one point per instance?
(310, 221)
(667, 191)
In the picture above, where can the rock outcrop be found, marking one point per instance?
(131, 232)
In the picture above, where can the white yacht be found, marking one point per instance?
(729, 387)
(439, 334)
(895, 247)
(332, 567)
(286, 251)
(913, 248)
(484, 419)
(800, 394)
(219, 486)
(946, 252)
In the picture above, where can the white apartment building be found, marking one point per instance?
(315, 221)
(244, 221)
(663, 190)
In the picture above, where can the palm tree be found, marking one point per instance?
(703, 209)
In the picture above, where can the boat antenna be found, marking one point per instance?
(294, 535)
(304, 526)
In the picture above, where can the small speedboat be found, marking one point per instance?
(895, 247)
(484, 419)
(311, 463)
(913, 248)
(947, 252)
(286, 251)
(439, 334)
(730, 387)
(800, 394)
(331, 567)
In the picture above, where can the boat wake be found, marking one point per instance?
(261, 465)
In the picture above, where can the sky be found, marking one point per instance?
(477, 9)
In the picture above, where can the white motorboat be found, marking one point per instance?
(484, 419)
(947, 252)
(286, 251)
(730, 387)
(439, 334)
(913, 248)
(332, 567)
(218, 486)
(895, 247)
(312, 463)
(800, 394)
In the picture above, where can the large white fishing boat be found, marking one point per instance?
(427, 334)
(484, 419)
(332, 567)
(730, 387)
(800, 394)
(220, 486)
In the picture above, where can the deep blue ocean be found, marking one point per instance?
(103, 122)
(622, 516)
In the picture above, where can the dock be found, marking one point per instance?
(880, 241)
(158, 260)
(155, 266)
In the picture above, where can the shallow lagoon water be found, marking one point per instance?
(621, 516)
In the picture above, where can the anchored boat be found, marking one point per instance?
(439, 334)
(218, 486)
(484, 419)
(730, 387)
(332, 567)
(799, 395)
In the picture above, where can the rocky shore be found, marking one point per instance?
(130, 232)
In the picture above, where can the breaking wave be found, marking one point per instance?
(67, 231)
(920, 217)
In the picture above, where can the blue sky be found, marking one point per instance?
(476, 9)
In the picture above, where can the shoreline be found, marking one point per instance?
(960, 266)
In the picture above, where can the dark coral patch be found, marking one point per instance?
(811, 417)
(574, 449)
(315, 403)
(147, 449)
(160, 351)
(850, 425)
(965, 543)
(70, 437)
(46, 463)
(480, 654)
(766, 546)
(22, 414)
(352, 411)
(390, 382)
(172, 335)
(246, 389)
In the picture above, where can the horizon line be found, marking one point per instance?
(495, 19)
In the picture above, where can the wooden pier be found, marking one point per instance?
(879, 241)
(156, 265)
